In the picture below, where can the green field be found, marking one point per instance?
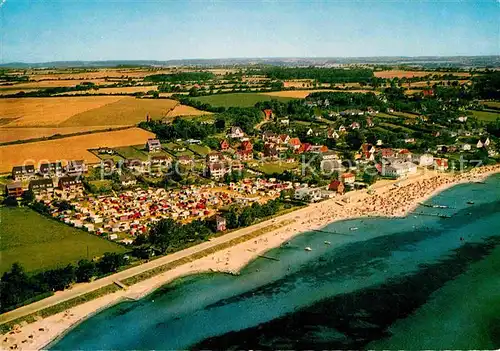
(238, 99)
(132, 152)
(171, 147)
(200, 149)
(492, 104)
(274, 167)
(485, 115)
(41, 243)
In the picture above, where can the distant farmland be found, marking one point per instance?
(71, 148)
(238, 99)
(396, 73)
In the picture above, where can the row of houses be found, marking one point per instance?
(44, 186)
(50, 169)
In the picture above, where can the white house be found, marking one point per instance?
(466, 147)
(483, 143)
(399, 169)
(309, 194)
(236, 133)
(424, 160)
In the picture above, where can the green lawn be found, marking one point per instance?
(171, 147)
(274, 167)
(132, 152)
(405, 114)
(41, 243)
(485, 115)
(396, 128)
(238, 99)
(200, 149)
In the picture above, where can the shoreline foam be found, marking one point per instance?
(386, 202)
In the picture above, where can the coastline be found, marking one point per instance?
(387, 201)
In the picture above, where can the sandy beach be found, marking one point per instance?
(385, 199)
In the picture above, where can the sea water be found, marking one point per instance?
(416, 282)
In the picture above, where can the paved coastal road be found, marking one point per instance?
(82, 289)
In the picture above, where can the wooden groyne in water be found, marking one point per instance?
(269, 257)
(431, 214)
(327, 232)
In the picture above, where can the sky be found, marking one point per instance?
(49, 30)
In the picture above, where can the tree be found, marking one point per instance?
(370, 175)
(85, 271)
(232, 218)
(140, 239)
(246, 217)
(110, 262)
(164, 234)
(28, 196)
(10, 201)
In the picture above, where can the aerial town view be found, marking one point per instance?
(249, 175)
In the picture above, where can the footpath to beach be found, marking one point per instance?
(230, 252)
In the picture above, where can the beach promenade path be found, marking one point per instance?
(84, 288)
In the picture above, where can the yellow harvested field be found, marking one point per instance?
(72, 148)
(183, 110)
(97, 74)
(52, 83)
(122, 90)
(37, 112)
(13, 134)
(126, 111)
(395, 73)
(301, 94)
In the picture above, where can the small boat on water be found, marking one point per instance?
(353, 228)
(440, 206)
(470, 202)
(307, 248)
(327, 243)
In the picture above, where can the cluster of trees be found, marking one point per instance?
(344, 101)
(168, 235)
(322, 75)
(56, 90)
(487, 86)
(19, 288)
(180, 77)
(179, 128)
(242, 217)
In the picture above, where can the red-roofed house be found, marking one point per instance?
(294, 143)
(348, 178)
(246, 146)
(441, 164)
(268, 114)
(386, 152)
(224, 145)
(284, 138)
(337, 186)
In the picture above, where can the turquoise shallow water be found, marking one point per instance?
(353, 293)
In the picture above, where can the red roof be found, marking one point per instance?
(442, 162)
(405, 151)
(387, 152)
(334, 185)
(348, 175)
(268, 113)
(247, 145)
(294, 141)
